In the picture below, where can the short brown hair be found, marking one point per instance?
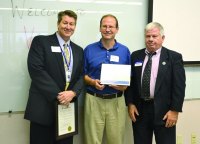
(69, 13)
(109, 15)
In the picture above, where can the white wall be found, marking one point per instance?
(189, 122)
(15, 130)
(180, 19)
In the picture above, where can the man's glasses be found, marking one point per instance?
(104, 27)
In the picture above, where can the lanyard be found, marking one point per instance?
(65, 59)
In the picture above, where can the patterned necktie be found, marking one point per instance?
(66, 64)
(67, 53)
(146, 77)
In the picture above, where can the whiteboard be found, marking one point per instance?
(21, 20)
(181, 21)
(192, 83)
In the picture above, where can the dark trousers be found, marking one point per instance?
(144, 128)
(40, 134)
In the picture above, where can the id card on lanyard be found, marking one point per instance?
(68, 75)
(67, 65)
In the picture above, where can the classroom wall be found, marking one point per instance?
(180, 19)
(15, 130)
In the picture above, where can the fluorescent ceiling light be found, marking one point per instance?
(46, 0)
(98, 1)
(95, 12)
(78, 11)
(77, 1)
(119, 2)
(26, 9)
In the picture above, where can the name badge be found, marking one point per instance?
(68, 76)
(138, 64)
(114, 58)
(55, 49)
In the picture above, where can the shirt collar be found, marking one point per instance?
(116, 45)
(157, 51)
(61, 41)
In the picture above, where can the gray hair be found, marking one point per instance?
(152, 25)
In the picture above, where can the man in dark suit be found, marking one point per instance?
(55, 77)
(158, 111)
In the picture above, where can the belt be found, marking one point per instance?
(147, 100)
(106, 96)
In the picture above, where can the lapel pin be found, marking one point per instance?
(164, 63)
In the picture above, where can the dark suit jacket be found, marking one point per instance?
(46, 69)
(170, 83)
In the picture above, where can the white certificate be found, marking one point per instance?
(115, 74)
(66, 119)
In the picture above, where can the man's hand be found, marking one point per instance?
(94, 82)
(132, 110)
(65, 97)
(171, 118)
(98, 85)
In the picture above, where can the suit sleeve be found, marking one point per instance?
(79, 84)
(41, 80)
(130, 93)
(178, 90)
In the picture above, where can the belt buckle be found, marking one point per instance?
(148, 99)
(105, 96)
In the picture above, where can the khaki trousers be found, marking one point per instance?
(104, 118)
